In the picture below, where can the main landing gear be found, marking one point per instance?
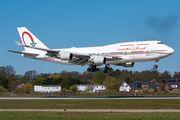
(156, 66)
(106, 69)
(93, 68)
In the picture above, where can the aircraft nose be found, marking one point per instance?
(171, 51)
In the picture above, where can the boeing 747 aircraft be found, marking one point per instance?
(120, 54)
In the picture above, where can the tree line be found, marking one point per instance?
(9, 80)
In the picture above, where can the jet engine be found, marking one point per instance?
(99, 60)
(66, 56)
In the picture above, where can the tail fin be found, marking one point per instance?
(29, 39)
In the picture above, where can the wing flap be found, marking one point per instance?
(79, 61)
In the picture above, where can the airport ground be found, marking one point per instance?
(87, 116)
(91, 104)
(78, 109)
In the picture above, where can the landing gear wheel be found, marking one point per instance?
(107, 68)
(97, 69)
(88, 69)
(105, 71)
(155, 66)
(92, 68)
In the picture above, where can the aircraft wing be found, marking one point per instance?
(84, 55)
(83, 59)
(22, 52)
(79, 61)
(80, 58)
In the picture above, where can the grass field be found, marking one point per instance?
(86, 116)
(91, 104)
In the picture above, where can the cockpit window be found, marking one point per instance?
(159, 43)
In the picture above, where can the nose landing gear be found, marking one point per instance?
(156, 66)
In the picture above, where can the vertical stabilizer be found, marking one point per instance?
(29, 39)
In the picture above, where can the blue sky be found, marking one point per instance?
(83, 23)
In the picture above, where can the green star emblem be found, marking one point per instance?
(33, 44)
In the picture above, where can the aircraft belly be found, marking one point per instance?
(124, 59)
(148, 57)
(55, 60)
(59, 61)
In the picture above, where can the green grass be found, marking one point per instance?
(88, 104)
(91, 104)
(86, 116)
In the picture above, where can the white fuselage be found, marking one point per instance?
(128, 51)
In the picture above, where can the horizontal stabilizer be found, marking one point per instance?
(18, 43)
(38, 48)
(22, 52)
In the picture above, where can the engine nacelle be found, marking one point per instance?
(129, 64)
(66, 56)
(99, 60)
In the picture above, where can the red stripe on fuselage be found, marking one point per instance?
(133, 54)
